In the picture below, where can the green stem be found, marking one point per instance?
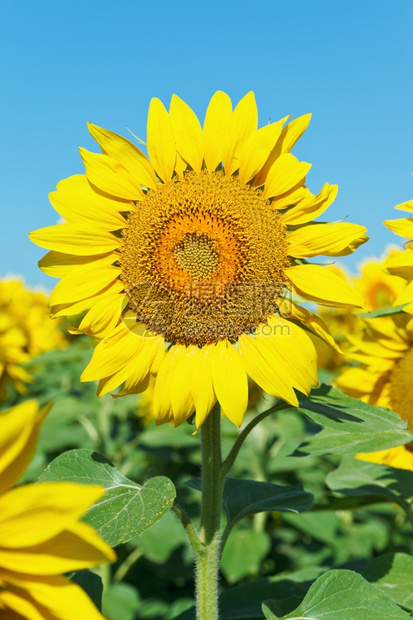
(196, 545)
(232, 455)
(207, 560)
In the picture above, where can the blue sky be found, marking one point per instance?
(64, 63)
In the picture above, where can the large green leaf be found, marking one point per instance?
(360, 478)
(244, 497)
(342, 595)
(392, 574)
(127, 509)
(350, 425)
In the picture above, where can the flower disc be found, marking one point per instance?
(203, 259)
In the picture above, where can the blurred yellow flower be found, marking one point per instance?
(26, 331)
(186, 260)
(41, 535)
(377, 287)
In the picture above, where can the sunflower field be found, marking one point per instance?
(209, 417)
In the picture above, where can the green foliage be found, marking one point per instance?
(246, 497)
(350, 425)
(302, 517)
(360, 478)
(340, 595)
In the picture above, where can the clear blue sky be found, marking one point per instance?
(349, 62)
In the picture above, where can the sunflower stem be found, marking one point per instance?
(207, 560)
(232, 455)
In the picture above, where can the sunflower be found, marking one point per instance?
(26, 331)
(41, 535)
(185, 259)
(402, 264)
(383, 377)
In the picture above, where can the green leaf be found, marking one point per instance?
(267, 611)
(127, 509)
(91, 584)
(244, 497)
(243, 553)
(322, 526)
(392, 575)
(120, 601)
(350, 425)
(386, 311)
(360, 478)
(344, 595)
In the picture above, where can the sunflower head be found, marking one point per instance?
(185, 259)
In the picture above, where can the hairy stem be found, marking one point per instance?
(207, 561)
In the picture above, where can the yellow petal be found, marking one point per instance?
(103, 316)
(67, 551)
(77, 202)
(327, 239)
(230, 381)
(271, 379)
(113, 353)
(405, 206)
(84, 282)
(18, 440)
(257, 148)
(35, 513)
(216, 122)
(243, 122)
(203, 393)
(289, 136)
(290, 343)
(180, 165)
(402, 226)
(75, 239)
(162, 401)
(405, 297)
(56, 598)
(285, 173)
(321, 285)
(312, 321)
(71, 309)
(161, 141)
(290, 198)
(181, 392)
(110, 176)
(58, 264)
(399, 457)
(127, 154)
(136, 373)
(17, 604)
(401, 264)
(310, 206)
(356, 382)
(187, 132)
